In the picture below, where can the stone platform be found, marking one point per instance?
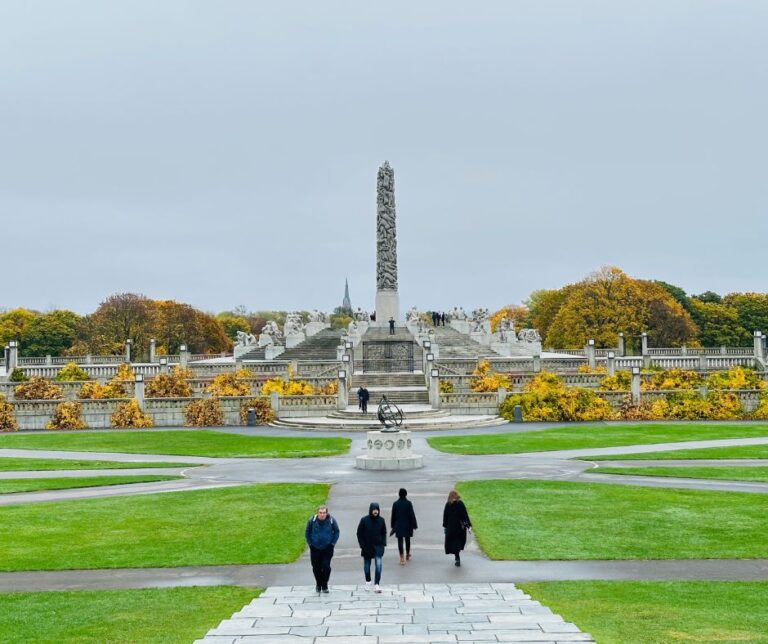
(389, 451)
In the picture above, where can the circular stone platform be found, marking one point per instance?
(389, 451)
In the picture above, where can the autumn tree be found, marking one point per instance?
(50, 333)
(233, 323)
(752, 310)
(516, 314)
(13, 323)
(118, 318)
(718, 324)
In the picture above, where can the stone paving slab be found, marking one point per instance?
(400, 614)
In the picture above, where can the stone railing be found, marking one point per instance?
(472, 403)
(297, 406)
(317, 369)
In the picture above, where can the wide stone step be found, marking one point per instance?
(404, 614)
(325, 423)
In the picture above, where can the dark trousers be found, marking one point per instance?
(376, 569)
(400, 544)
(364, 404)
(321, 564)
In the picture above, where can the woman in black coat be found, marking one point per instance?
(372, 537)
(403, 523)
(455, 525)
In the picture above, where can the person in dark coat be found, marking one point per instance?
(391, 326)
(402, 524)
(321, 535)
(360, 397)
(365, 396)
(372, 537)
(455, 525)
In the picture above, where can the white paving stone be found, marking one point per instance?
(428, 613)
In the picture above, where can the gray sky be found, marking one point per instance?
(225, 153)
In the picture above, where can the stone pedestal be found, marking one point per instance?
(387, 306)
(389, 451)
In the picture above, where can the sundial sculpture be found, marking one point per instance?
(389, 415)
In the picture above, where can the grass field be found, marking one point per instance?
(589, 436)
(180, 443)
(247, 524)
(12, 486)
(562, 520)
(161, 615)
(742, 451)
(660, 612)
(14, 464)
(726, 473)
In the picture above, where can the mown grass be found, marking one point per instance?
(247, 524)
(546, 520)
(759, 474)
(589, 436)
(12, 486)
(180, 443)
(14, 464)
(737, 451)
(161, 615)
(659, 612)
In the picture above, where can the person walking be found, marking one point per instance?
(372, 537)
(442, 318)
(391, 326)
(360, 397)
(402, 524)
(364, 398)
(455, 525)
(321, 535)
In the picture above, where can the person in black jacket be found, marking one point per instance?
(455, 525)
(321, 535)
(372, 537)
(403, 523)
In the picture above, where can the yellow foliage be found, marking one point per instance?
(736, 378)
(446, 387)
(761, 411)
(585, 368)
(71, 372)
(124, 372)
(204, 413)
(671, 379)
(619, 381)
(483, 368)
(264, 412)
(94, 390)
(68, 415)
(129, 415)
(170, 385)
(7, 419)
(231, 384)
(516, 314)
(287, 388)
(38, 388)
(331, 389)
(487, 379)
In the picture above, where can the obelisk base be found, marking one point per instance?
(387, 306)
(389, 451)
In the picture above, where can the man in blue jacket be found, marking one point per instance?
(321, 535)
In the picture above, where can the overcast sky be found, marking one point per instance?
(225, 153)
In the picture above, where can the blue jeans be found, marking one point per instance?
(367, 568)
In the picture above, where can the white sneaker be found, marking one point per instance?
(368, 585)
(377, 588)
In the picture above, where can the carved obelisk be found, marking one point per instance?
(387, 298)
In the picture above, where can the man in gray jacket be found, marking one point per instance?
(321, 535)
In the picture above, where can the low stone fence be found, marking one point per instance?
(471, 404)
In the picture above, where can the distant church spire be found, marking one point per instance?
(346, 304)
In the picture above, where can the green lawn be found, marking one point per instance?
(161, 615)
(659, 612)
(14, 464)
(725, 472)
(564, 520)
(180, 443)
(589, 436)
(247, 524)
(10, 486)
(742, 451)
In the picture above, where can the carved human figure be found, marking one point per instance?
(386, 236)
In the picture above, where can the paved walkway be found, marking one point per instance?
(405, 614)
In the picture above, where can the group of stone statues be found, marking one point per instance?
(272, 335)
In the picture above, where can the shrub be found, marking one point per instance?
(646, 410)
(446, 387)
(18, 375)
(620, 381)
(204, 413)
(487, 379)
(233, 383)
(736, 378)
(7, 419)
(331, 389)
(93, 390)
(129, 414)
(585, 368)
(68, 415)
(38, 388)
(71, 372)
(169, 385)
(546, 398)
(671, 379)
(264, 412)
(124, 372)
(761, 411)
(287, 387)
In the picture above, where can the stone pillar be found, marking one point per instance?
(128, 344)
(644, 343)
(757, 340)
(536, 363)
(622, 346)
(7, 357)
(342, 395)
(429, 362)
(13, 355)
(164, 365)
(765, 343)
(610, 363)
(635, 387)
(590, 351)
(703, 364)
(387, 297)
(152, 350)
(138, 390)
(501, 392)
(48, 360)
(723, 351)
(89, 359)
(183, 356)
(274, 402)
(434, 388)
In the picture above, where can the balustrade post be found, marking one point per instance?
(274, 402)
(611, 363)
(536, 363)
(13, 355)
(590, 351)
(644, 343)
(342, 394)
(138, 390)
(48, 360)
(434, 388)
(7, 357)
(702, 362)
(183, 356)
(89, 359)
(703, 392)
(152, 350)
(164, 365)
(635, 386)
(128, 344)
(757, 342)
(723, 351)
(502, 394)
(622, 346)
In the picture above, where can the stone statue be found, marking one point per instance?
(506, 328)
(386, 240)
(361, 316)
(352, 327)
(293, 324)
(245, 339)
(529, 335)
(316, 316)
(412, 314)
(479, 317)
(458, 313)
(271, 328)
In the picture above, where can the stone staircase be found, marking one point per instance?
(453, 344)
(321, 346)
(399, 388)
